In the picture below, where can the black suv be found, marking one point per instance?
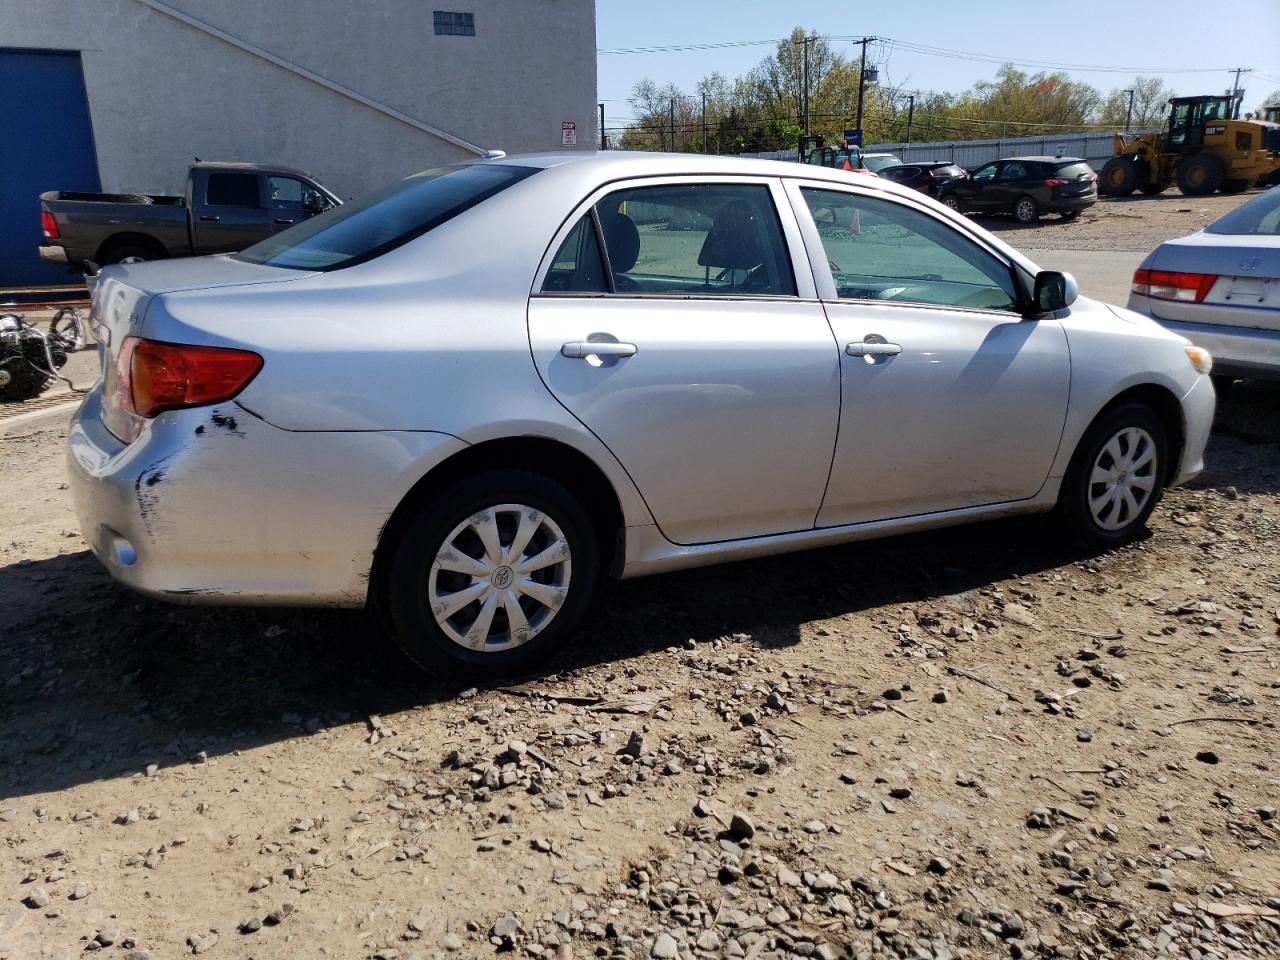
(928, 177)
(1025, 187)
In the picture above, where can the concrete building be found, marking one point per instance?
(121, 95)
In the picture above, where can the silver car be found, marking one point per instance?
(1220, 288)
(467, 398)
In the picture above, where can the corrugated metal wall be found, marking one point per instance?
(1097, 148)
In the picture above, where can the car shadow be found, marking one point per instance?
(102, 682)
(1244, 449)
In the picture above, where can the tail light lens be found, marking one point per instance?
(1055, 182)
(153, 377)
(1166, 285)
(49, 226)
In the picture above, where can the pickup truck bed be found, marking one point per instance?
(227, 207)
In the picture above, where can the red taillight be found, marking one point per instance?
(152, 377)
(1167, 285)
(1055, 182)
(49, 226)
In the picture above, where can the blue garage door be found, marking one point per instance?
(48, 145)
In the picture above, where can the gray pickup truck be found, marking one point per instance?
(227, 207)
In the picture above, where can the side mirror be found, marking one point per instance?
(1055, 290)
(313, 202)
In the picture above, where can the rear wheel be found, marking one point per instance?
(1200, 175)
(1116, 477)
(131, 253)
(1234, 186)
(1026, 210)
(493, 574)
(951, 202)
(1119, 177)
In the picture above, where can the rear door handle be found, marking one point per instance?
(282, 220)
(207, 218)
(864, 348)
(580, 350)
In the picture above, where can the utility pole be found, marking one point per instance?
(604, 143)
(704, 121)
(1235, 93)
(862, 78)
(673, 125)
(804, 97)
(1128, 117)
(911, 109)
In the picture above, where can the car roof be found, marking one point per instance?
(1049, 159)
(239, 165)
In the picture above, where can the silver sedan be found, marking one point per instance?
(467, 398)
(1220, 288)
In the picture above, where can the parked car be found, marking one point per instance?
(928, 177)
(1025, 187)
(850, 158)
(226, 207)
(468, 397)
(1220, 288)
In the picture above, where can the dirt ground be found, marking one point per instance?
(974, 743)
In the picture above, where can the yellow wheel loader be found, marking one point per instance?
(1202, 149)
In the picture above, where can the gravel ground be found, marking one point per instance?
(974, 743)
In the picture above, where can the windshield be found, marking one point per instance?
(1261, 215)
(356, 232)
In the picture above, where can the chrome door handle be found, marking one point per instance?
(209, 219)
(580, 349)
(870, 349)
(281, 220)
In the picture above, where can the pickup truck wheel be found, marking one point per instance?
(131, 253)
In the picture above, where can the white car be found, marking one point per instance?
(466, 398)
(1220, 288)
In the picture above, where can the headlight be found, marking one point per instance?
(1200, 358)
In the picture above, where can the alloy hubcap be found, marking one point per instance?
(1123, 478)
(1024, 210)
(499, 578)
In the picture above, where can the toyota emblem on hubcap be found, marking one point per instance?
(502, 578)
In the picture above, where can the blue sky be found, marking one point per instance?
(1160, 39)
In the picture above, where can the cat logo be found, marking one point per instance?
(1215, 130)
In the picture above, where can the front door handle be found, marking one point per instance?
(866, 348)
(580, 349)
(282, 220)
(209, 219)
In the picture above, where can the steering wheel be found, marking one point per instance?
(756, 280)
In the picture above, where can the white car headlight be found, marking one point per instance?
(1200, 358)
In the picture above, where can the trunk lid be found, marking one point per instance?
(1246, 292)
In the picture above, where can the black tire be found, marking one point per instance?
(1025, 210)
(1200, 175)
(406, 605)
(1152, 189)
(1077, 488)
(1234, 186)
(21, 381)
(131, 253)
(1119, 177)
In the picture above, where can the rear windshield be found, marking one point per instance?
(875, 164)
(1074, 171)
(950, 170)
(1261, 215)
(356, 232)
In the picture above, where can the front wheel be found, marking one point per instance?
(1116, 477)
(1025, 210)
(1119, 177)
(493, 574)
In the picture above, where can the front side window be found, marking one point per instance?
(886, 251)
(232, 190)
(286, 192)
(355, 232)
(704, 239)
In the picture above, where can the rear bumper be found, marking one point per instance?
(215, 505)
(53, 253)
(1237, 351)
(1059, 204)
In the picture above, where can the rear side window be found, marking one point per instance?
(355, 232)
(897, 174)
(700, 239)
(578, 266)
(232, 190)
(1015, 170)
(1074, 171)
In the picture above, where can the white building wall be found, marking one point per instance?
(162, 91)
